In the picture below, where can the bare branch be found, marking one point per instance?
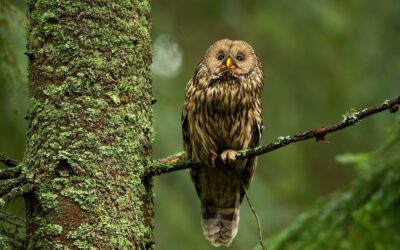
(179, 162)
(319, 134)
(9, 162)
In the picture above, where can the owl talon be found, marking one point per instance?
(228, 156)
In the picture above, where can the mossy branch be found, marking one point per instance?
(9, 173)
(179, 162)
(15, 192)
(13, 184)
(9, 162)
(7, 185)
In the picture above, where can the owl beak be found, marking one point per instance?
(228, 62)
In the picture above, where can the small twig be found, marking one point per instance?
(180, 162)
(253, 210)
(18, 191)
(9, 162)
(260, 238)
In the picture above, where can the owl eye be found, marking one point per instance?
(220, 57)
(240, 57)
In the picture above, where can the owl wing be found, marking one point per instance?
(247, 174)
(256, 132)
(187, 146)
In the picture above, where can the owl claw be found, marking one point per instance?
(228, 156)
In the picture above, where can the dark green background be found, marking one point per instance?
(320, 58)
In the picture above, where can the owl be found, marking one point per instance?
(222, 114)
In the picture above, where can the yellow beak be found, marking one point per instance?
(228, 62)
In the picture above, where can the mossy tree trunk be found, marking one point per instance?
(90, 131)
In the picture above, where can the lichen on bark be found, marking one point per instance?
(90, 131)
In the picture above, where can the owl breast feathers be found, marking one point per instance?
(222, 114)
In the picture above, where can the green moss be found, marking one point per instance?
(350, 115)
(48, 200)
(58, 246)
(84, 193)
(81, 237)
(114, 97)
(50, 229)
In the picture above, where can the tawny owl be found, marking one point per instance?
(222, 114)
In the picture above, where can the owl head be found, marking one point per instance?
(227, 58)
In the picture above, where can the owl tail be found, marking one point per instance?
(220, 225)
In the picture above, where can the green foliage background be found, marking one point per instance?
(320, 58)
(363, 217)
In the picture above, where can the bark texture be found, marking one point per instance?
(90, 131)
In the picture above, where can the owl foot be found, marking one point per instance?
(228, 156)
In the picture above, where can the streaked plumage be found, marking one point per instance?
(222, 114)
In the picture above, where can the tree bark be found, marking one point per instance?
(90, 130)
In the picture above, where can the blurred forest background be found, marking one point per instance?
(320, 58)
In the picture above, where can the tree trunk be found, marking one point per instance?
(90, 131)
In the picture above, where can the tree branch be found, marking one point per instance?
(179, 162)
(9, 162)
(15, 192)
(12, 184)
(8, 185)
(9, 173)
